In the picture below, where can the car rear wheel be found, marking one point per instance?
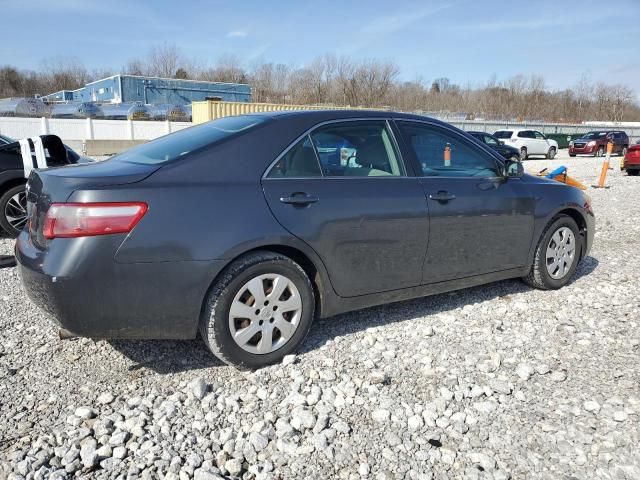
(13, 210)
(557, 255)
(523, 153)
(633, 173)
(551, 154)
(572, 154)
(260, 310)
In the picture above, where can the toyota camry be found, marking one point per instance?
(246, 228)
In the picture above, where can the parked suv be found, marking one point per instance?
(529, 142)
(631, 162)
(595, 143)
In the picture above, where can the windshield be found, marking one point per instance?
(594, 135)
(185, 141)
(503, 134)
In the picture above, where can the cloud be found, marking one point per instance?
(237, 34)
(393, 23)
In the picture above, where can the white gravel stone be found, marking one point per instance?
(380, 415)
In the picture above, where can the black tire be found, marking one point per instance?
(523, 153)
(4, 200)
(538, 276)
(633, 173)
(599, 152)
(551, 153)
(623, 152)
(214, 325)
(572, 154)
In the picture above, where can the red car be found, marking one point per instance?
(595, 143)
(631, 162)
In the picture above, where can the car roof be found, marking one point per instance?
(330, 114)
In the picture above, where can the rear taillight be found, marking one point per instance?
(68, 220)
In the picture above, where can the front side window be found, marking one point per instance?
(490, 140)
(539, 136)
(443, 153)
(299, 162)
(357, 149)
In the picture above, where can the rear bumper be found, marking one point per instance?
(90, 295)
(631, 164)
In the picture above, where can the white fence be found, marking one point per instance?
(88, 129)
(69, 129)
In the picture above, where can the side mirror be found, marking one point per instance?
(513, 169)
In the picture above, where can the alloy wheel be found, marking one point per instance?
(15, 210)
(265, 313)
(561, 253)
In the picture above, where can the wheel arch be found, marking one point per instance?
(11, 181)
(580, 220)
(301, 254)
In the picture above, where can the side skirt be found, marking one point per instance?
(334, 305)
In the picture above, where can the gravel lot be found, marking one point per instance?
(499, 381)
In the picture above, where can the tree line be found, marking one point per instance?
(343, 81)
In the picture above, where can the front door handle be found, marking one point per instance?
(300, 199)
(442, 196)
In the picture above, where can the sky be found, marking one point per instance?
(468, 41)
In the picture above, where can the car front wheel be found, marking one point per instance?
(260, 310)
(523, 153)
(557, 255)
(13, 210)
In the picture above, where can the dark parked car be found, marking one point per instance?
(13, 200)
(510, 153)
(595, 143)
(246, 228)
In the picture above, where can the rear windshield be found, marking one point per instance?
(592, 135)
(503, 134)
(179, 144)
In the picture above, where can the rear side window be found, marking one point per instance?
(357, 149)
(299, 162)
(179, 144)
(442, 153)
(503, 134)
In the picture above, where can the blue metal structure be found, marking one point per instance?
(153, 90)
(61, 96)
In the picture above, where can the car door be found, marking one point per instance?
(345, 191)
(542, 144)
(480, 221)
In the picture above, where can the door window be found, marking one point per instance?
(539, 136)
(357, 149)
(443, 153)
(299, 162)
(490, 140)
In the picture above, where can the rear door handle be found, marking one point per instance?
(442, 196)
(299, 199)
